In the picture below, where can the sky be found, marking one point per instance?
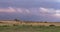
(30, 10)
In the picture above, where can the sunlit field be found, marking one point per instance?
(15, 26)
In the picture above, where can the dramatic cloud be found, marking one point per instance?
(29, 3)
(9, 9)
(50, 12)
(22, 10)
(35, 11)
(18, 10)
(32, 9)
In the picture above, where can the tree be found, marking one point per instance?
(45, 22)
(16, 19)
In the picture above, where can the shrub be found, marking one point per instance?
(15, 25)
(5, 26)
(45, 22)
(1, 22)
(51, 25)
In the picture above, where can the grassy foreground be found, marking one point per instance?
(29, 28)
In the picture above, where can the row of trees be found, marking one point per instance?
(31, 21)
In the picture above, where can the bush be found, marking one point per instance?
(45, 22)
(1, 22)
(51, 25)
(5, 26)
(15, 25)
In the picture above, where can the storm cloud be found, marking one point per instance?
(30, 3)
(36, 10)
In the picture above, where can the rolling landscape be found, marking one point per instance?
(28, 26)
(29, 15)
(12, 22)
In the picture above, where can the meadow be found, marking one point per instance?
(29, 28)
(8, 26)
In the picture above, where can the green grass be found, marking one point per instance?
(29, 28)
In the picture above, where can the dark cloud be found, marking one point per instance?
(37, 9)
(30, 3)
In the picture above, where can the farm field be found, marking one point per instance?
(13, 26)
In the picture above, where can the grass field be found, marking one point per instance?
(13, 26)
(29, 28)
